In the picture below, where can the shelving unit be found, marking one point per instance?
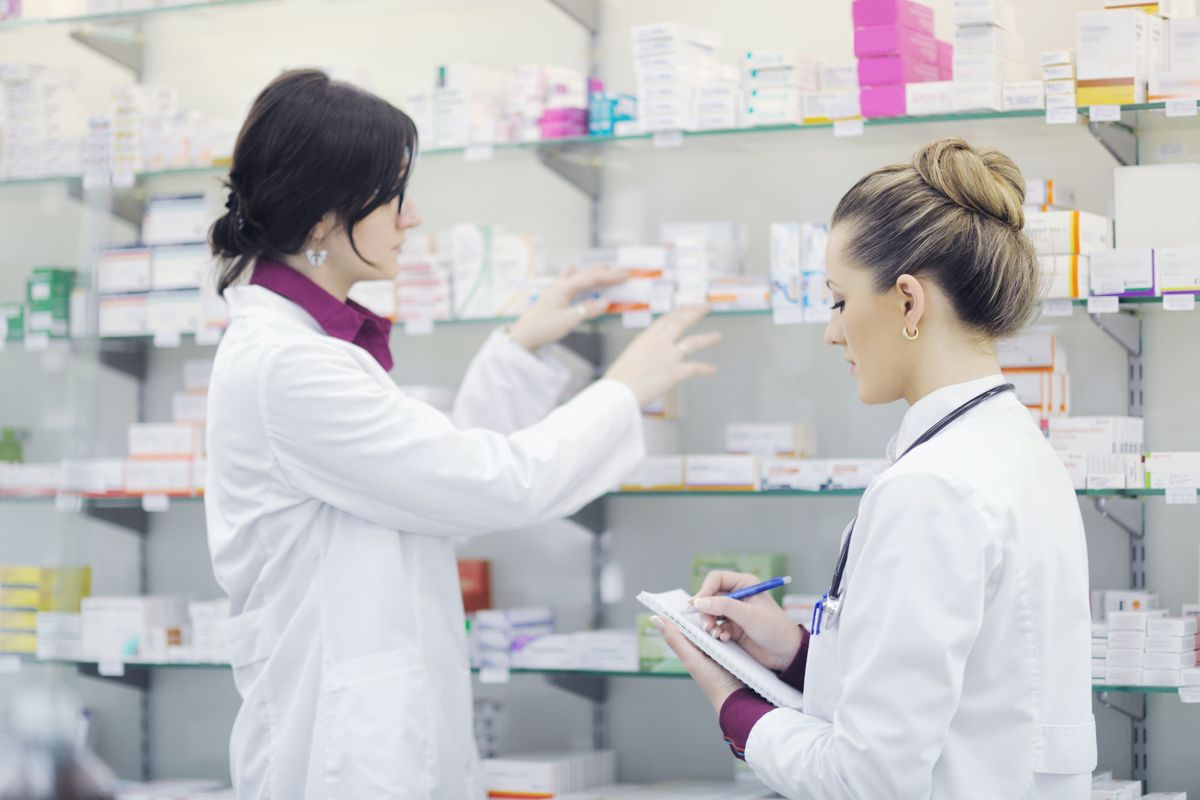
(582, 162)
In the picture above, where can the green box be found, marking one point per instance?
(764, 565)
(50, 284)
(653, 653)
(12, 321)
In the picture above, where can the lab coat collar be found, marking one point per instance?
(931, 408)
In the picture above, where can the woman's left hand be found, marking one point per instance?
(714, 681)
(553, 316)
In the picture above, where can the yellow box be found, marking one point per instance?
(21, 599)
(1110, 92)
(17, 575)
(64, 587)
(24, 643)
(18, 621)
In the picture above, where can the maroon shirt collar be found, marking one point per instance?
(347, 321)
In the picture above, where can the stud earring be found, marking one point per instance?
(316, 257)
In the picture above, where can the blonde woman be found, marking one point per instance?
(950, 658)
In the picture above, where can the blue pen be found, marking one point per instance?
(750, 591)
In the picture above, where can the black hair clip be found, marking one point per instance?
(233, 205)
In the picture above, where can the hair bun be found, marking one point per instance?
(984, 180)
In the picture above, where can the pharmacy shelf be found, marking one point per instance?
(1136, 689)
(115, 17)
(658, 140)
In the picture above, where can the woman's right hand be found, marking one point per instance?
(655, 362)
(757, 623)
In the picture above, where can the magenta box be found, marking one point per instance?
(890, 70)
(882, 101)
(559, 115)
(887, 40)
(905, 13)
(562, 130)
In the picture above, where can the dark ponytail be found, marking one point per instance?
(310, 146)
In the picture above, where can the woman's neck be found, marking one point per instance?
(325, 276)
(952, 364)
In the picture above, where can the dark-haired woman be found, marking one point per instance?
(334, 500)
(951, 655)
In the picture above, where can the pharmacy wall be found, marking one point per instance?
(659, 728)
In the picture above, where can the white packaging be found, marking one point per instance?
(656, 473)
(796, 248)
(1125, 658)
(1066, 276)
(824, 108)
(839, 78)
(131, 628)
(984, 12)
(607, 650)
(122, 315)
(176, 219)
(978, 96)
(928, 98)
(1068, 232)
(1123, 676)
(170, 476)
(1112, 44)
(794, 474)
(1117, 790)
(677, 30)
(721, 472)
(981, 39)
(197, 372)
(1122, 270)
(173, 312)
(1024, 96)
(553, 652)
(1161, 677)
(1178, 269)
(1099, 649)
(160, 440)
(1171, 660)
(1167, 470)
(770, 440)
(188, 408)
(1059, 72)
(1171, 626)
(846, 473)
(125, 269)
(1190, 677)
(180, 267)
(97, 476)
(1183, 44)
(1128, 600)
(1060, 90)
(1135, 620)
(1099, 670)
(1126, 640)
(1047, 192)
(1172, 644)
(1032, 350)
(1165, 795)
(378, 297)
(1100, 435)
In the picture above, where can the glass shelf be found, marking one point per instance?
(197, 665)
(578, 142)
(132, 15)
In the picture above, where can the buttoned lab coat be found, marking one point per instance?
(959, 666)
(333, 504)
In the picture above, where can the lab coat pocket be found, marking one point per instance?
(1065, 749)
(379, 742)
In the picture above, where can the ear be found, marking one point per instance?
(913, 295)
(323, 228)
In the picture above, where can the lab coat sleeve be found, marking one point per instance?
(342, 437)
(507, 388)
(913, 608)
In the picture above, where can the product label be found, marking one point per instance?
(155, 503)
(1181, 108)
(1104, 305)
(1179, 302)
(1181, 496)
(1105, 113)
(845, 128)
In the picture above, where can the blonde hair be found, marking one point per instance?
(953, 214)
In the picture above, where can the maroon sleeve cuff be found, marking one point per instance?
(739, 713)
(794, 674)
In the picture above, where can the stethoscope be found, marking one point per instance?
(830, 603)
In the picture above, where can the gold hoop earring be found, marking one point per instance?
(916, 332)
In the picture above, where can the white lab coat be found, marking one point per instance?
(334, 502)
(959, 666)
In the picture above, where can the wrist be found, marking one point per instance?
(786, 654)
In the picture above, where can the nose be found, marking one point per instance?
(409, 217)
(834, 335)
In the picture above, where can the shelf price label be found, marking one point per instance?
(1058, 307)
(668, 138)
(479, 152)
(1189, 694)
(1061, 116)
(494, 675)
(111, 668)
(68, 503)
(1179, 302)
(1105, 113)
(155, 503)
(418, 327)
(168, 339)
(846, 128)
(1181, 495)
(208, 335)
(1181, 108)
(636, 319)
(10, 665)
(1104, 305)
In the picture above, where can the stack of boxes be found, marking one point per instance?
(798, 290)
(1172, 470)
(136, 112)
(611, 114)
(707, 257)
(130, 629)
(423, 285)
(551, 100)
(988, 52)
(776, 85)
(1036, 364)
(208, 642)
(1058, 75)
(1148, 648)
(48, 302)
(718, 103)
(1100, 452)
(469, 103)
(1064, 241)
(1116, 51)
(492, 271)
(43, 123)
(549, 775)
(26, 592)
(895, 45)
(497, 633)
(671, 61)
(1181, 78)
